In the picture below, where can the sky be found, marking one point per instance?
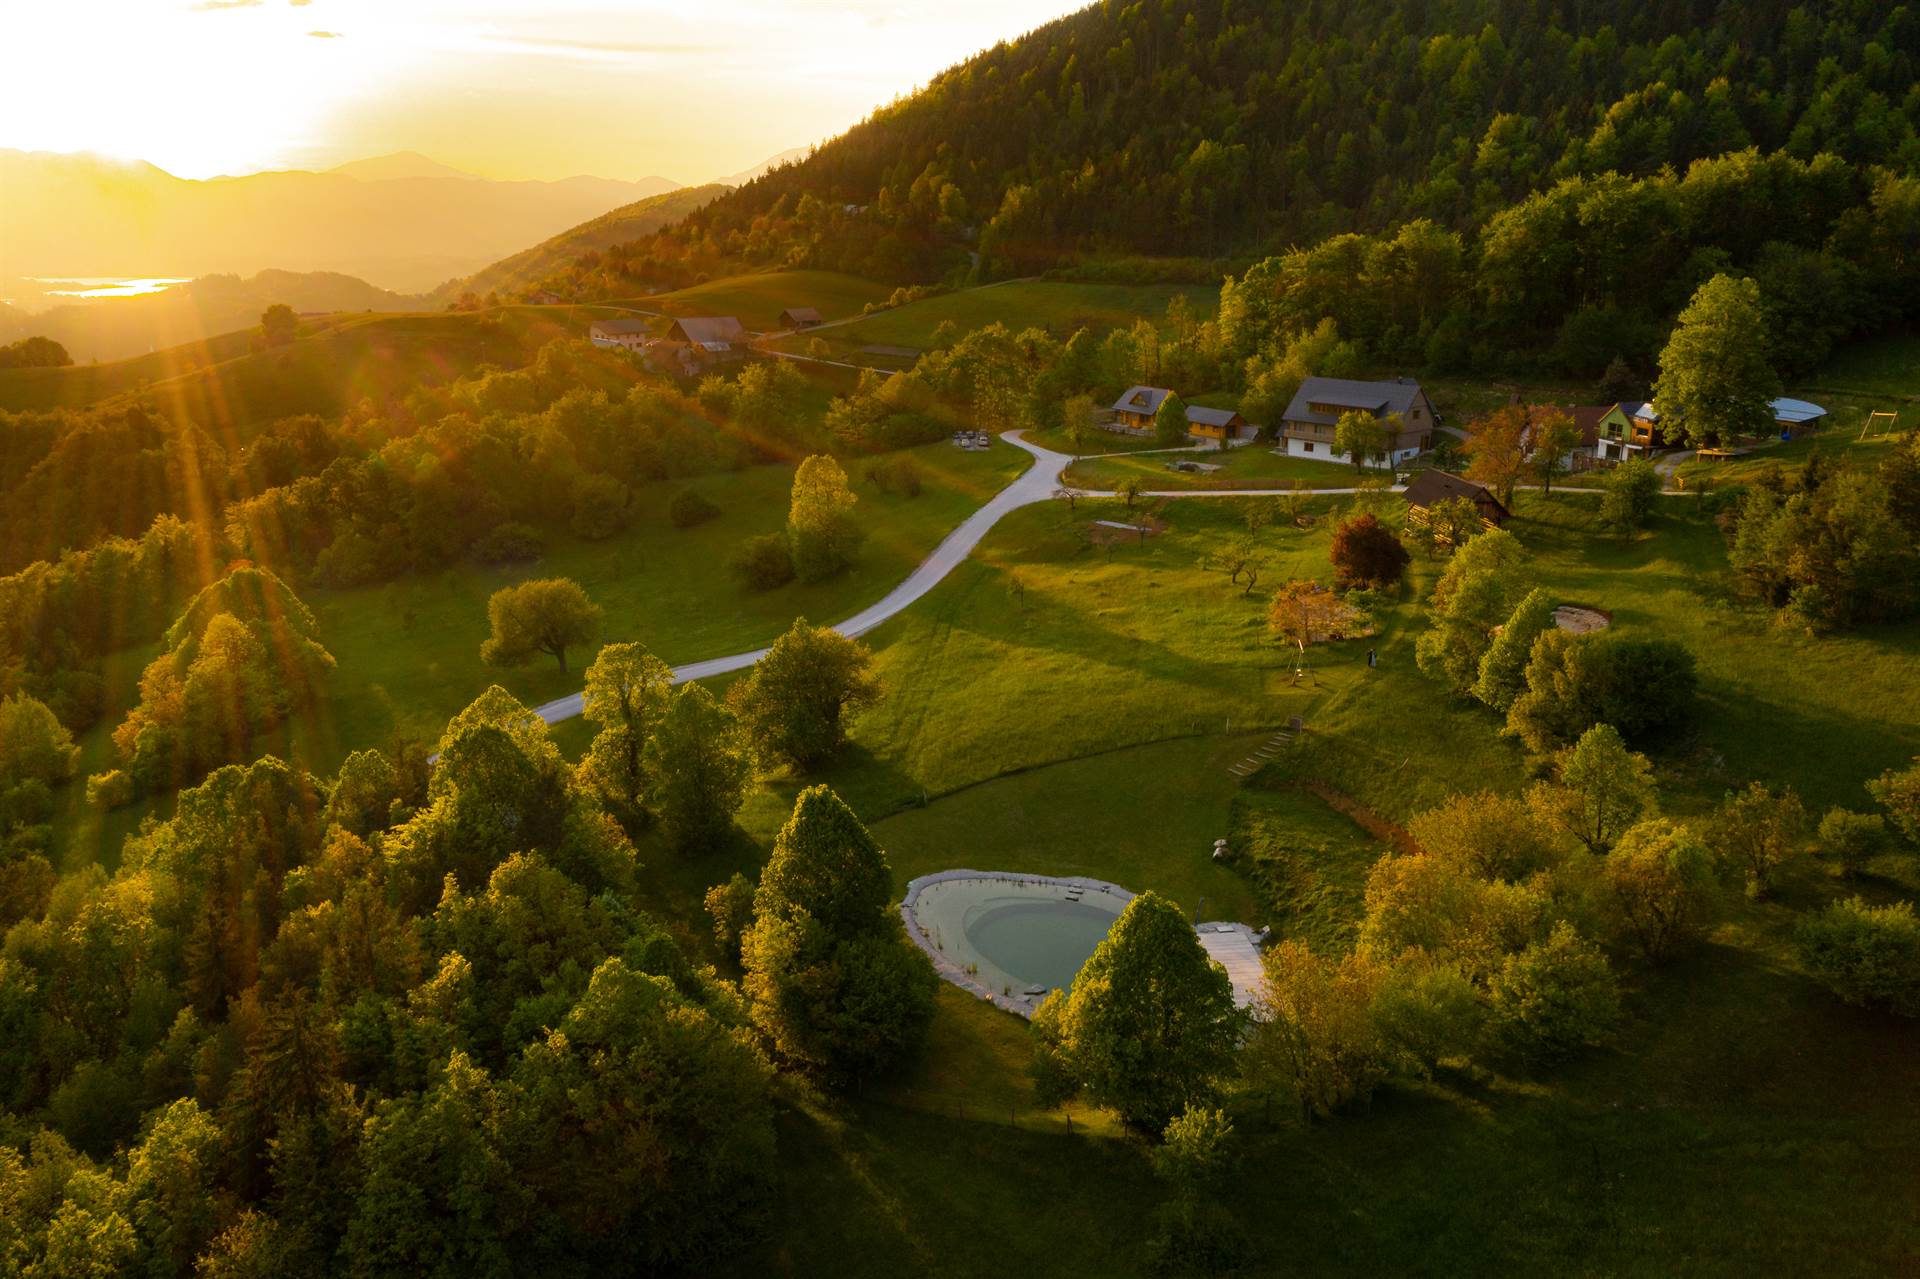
(689, 89)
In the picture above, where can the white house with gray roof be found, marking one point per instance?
(1307, 427)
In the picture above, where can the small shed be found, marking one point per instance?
(1136, 407)
(1796, 416)
(800, 317)
(1431, 487)
(1223, 425)
(628, 334)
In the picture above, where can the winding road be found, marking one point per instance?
(1038, 483)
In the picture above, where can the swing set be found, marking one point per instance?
(1885, 419)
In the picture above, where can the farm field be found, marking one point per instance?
(1056, 306)
(758, 298)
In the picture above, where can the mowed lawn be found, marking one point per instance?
(1251, 466)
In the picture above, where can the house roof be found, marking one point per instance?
(1794, 412)
(1586, 419)
(1431, 486)
(1212, 417)
(1142, 399)
(800, 315)
(1639, 409)
(614, 328)
(1378, 398)
(708, 330)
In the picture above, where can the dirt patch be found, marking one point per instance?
(1365, 818)
(1581, 621)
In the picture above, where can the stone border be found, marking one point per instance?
(956, 973)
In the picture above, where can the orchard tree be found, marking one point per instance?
(547, 615)
(1716, 380)
(1491, 835)
(1497, 450)
(1553, 437)
(1366, 553)
(822, 532)
(1554, 996)
(1629, 492)
(832, 979)
(795, 701)
(698, 763)
(1868, 955)
(1452, 522)
(1659, 876)
(1899, 793)
(1361, 436)
(1756, 831)
(1602, 790)
(626, 694)
(1076, 420)
(1317, 1032)
(1150, 1025)
(1852, 839)
(1306, 612)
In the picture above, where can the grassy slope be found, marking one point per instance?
(1739, 1092)
(1248, 467)
(1056, 306)
(627, 223)
(758, 299)
(337, 363)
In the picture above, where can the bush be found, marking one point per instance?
(510, 544)
(1852, 839)
(1555, 996)
(1631, 490)
(688, 508)
(111, 789)
(1643, 687)
(764, 562)
(895, 475)
(1867, 955)
(602, 506)
(1366, 553)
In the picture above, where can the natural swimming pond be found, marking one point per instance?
(1011, 937)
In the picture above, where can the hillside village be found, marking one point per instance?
(1149, 696)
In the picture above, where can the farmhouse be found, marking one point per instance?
(1307, 427)
(1431, 487)
(702, 340)
(1224, 426)
(799, 317)
(628, 335)
(1134, 410)
(1629, 429)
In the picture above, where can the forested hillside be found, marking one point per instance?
(1242, 127)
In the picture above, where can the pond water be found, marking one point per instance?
(1011, 935)
(107, 286)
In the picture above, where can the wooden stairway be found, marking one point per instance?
(1272, 747)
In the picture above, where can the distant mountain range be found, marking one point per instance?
(404, 222)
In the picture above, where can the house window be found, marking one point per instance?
(1306, 446)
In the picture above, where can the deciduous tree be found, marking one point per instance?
(1150, 1024)
(822, 533)
(1658, 877)
(1553, 438)
(698, 764)
(626, 694)
(547, 615)
(1497, 450)
(1366, 553)
(1361, 436)
(1716, 375)
(795, 701)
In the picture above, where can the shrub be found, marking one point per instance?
(1631, 490)
(895, 475)
(1555, 996)
(510, 544)
(1366, 553)
(1643, 687)
(111, 789)
(1899, 792)
(1659, 876)
(763, 562)
(688, 508)
(1852, 839)
(602, 506)
(1867, 955)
